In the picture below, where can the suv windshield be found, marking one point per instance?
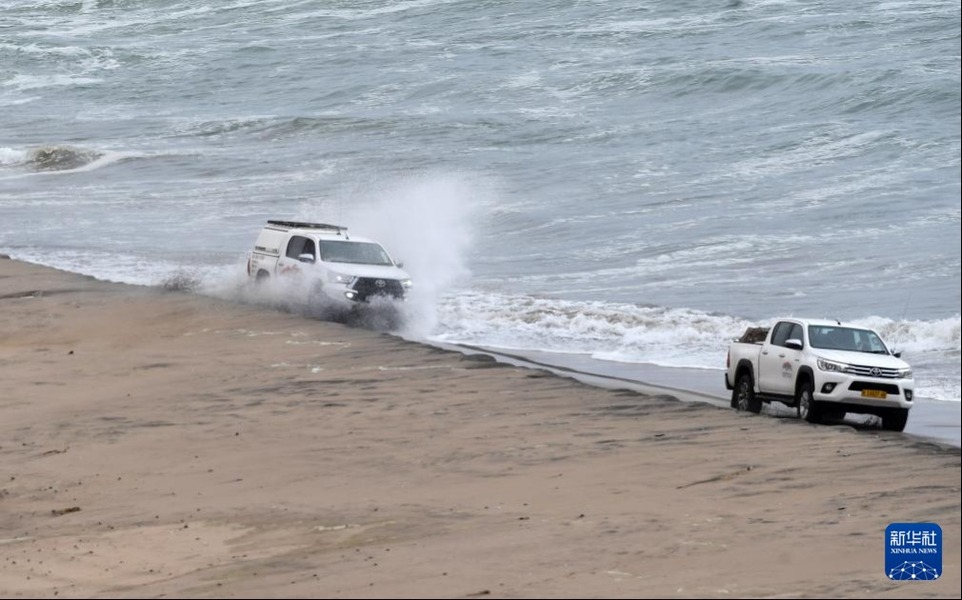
(845, 338)
(361, 253)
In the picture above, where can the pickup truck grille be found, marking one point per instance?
(874, 372)
(366, 287)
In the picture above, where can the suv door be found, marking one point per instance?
(289, 263)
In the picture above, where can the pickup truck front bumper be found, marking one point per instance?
(864, 391)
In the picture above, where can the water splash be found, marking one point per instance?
(426, 222)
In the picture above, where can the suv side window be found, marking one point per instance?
(309, 248)
(781, 333)
(296, 246)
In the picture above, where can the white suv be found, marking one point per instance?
(327, 262)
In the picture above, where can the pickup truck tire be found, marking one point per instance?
(894, 419)
(743, 396)
(808, 408)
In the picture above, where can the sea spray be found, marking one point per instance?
(426, 222)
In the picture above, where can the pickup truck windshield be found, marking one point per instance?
(845, 338)
(361, 253)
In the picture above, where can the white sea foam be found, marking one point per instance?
(33, 82)
(670, 337)
(104, 265)
(12, 156)
(43, 50)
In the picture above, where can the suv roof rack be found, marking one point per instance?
(302, 225)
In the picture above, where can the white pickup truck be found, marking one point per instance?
(823, 369)
(326, 263)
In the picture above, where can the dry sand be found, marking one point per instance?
(165, 444)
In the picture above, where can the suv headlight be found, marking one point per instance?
(407, 284)
(832, 366)
(340, 278)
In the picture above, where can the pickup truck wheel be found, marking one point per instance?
(808, 408)
(894, 419)
(743, 397)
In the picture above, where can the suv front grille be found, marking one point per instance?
(366, 287)
(874, 372)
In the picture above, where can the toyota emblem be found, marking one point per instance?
(876, 371)
(381, 283)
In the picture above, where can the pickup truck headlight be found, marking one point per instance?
(340, 278)
(905, 373)
(407, 284)
(832, 367)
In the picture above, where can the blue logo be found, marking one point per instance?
(913, 551)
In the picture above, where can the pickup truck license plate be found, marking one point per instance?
(874, 394)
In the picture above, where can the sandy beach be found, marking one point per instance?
(159, 443)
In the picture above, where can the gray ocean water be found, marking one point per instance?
(628, 181)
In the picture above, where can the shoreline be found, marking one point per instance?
(162, 443)
(930, 420)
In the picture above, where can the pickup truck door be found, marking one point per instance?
(778, 364)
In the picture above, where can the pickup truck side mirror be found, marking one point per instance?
(897, 353)
(794, 344)
(306, 258)
(399, 264)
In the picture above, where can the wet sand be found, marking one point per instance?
(932, 420)
(166, 444)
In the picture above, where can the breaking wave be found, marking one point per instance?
(668, 337)
(50, 158)
(61, 158)
(55, 158)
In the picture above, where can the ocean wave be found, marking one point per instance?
(34, 82)
(37, 49)
(940, 335)
(635, 332)
(60, 158)
(274, 127)
(671, 337)
(49, 158)
(12, 157)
